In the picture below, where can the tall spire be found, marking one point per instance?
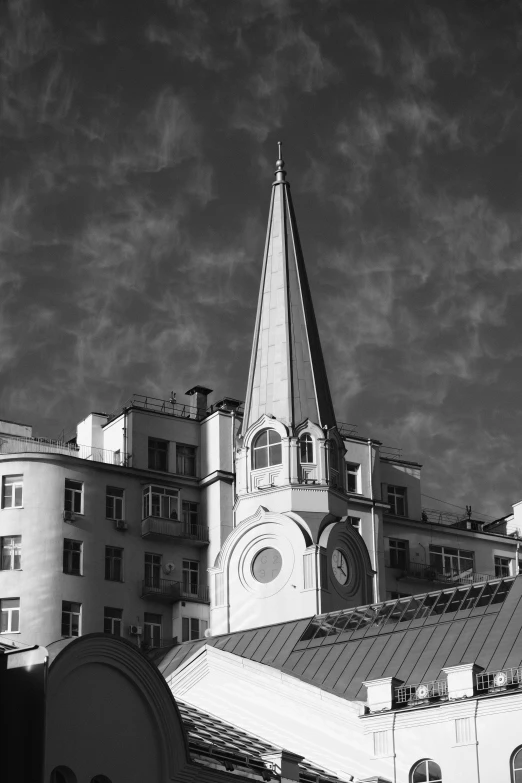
(287, 377)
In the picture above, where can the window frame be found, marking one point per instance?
(353, 471)
(512, 769)
(71, 552)
(13, 549)
(190, 512)
(158, 454)
(190, 573)
(110, 620)
(152, 568)
(149, 504)
(72, 500)
(416, 767)
(355, 522)
(499, 566)
(14, 485)
(72, 613)
(149, 625)
(395, 552)
(109, 494)
(272, 449)
(187, 627)
(110, 560)
(391, 491)
(449, 552)
(10, 612)
(306, 444)
(186, 456)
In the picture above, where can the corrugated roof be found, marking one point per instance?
(212, 740)
(411, 639)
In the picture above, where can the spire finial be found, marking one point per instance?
(280, 172)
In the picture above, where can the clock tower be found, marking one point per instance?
(292, 551)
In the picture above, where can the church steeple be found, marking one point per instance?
(287, 377)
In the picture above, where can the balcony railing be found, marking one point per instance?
(499, 679)
(412, 694)
(448, 576)
(13, 445)
(157, 527)
(170, 590)
(437, 517)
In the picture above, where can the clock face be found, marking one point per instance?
(340, 566)
(266, 565)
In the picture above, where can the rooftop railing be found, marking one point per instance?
(448, 576)
(345, 429)
(437, 517)
(390, 452)
(499, 679)
(14, 445)
(169, 407)
(412, 694)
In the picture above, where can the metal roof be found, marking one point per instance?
(410, 639)
(214, 741)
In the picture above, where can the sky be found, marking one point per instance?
(137, 151)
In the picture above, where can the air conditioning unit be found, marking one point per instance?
(135, 630)
(120, 524)
(68, 516)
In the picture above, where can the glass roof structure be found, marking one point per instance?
(403, 610)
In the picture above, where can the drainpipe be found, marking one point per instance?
(233, 446)
(374, 529)
(125, 455)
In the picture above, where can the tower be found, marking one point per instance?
(291, 552)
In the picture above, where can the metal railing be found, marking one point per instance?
(408, 694)
(437, 517)
(346, 429)
(501, 678)
(168, 528)
(175, 591)
(14, 445)
(390, 452)
(169, 407)
(448, 576)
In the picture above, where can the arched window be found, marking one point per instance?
(306, 448)
(267, 449)
(62, 775)
(426, 771)
(516, 766)
(100, 779)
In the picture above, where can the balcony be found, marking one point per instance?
(169, 591)
(167, 529)
(428, 573)
(9, 444)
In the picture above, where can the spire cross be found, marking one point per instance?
(279, 145)
(280, 172)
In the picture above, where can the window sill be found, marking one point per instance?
(70, 573)
(8, 570)
(11, 508)
(9, 633)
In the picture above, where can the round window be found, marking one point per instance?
(266, 565)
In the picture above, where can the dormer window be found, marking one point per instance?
(267, 449)
(306, 448)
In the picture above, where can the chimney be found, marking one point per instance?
(381, 693)
(461, 680)
(200, 403)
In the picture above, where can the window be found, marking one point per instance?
(73, 496)
(451, 562)
(352, 478)
(113, 564)
(72, 557)
(152, 569)
(12, 491)
(62, 775)
(152, 629)
(306, 448)
(114, 503)
(11, 558)
(112, 620)
(71, 613)
(190, 577)
(158, 454)
(397, 501)
(398, 553)
(185, 460)
(355, 522)
(9, 615)
(190, 512)
(160, 502)
(425, 771)
(192, 628)
(502, 566)
(267, 449)
(516, 766)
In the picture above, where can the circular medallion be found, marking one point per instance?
(266, 565)
(340, 566)
(500, 679)
(422, 692)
